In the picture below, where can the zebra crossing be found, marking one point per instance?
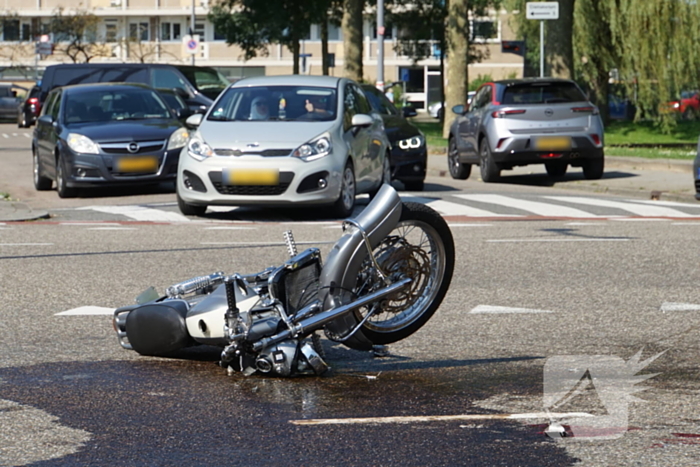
(455, 207)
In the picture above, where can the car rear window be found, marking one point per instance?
(83, 75)
(542, 93)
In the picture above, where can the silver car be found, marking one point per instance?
(526, 121)
(283, 141)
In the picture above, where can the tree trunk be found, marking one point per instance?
(324, 46)
(295, 55)
(457, 35)
(352, 38)
(560, 54)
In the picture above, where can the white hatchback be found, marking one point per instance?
(282, 141)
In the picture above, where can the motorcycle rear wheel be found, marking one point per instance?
(420, 247)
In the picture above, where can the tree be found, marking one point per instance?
(75, 35)
(560, 47)
(457, 35)
(352, 38)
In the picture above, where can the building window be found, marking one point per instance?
(111, 30)
(138, 31)
(10, 30)
(170, 31)
(483, 30)
(199, 29)
(26, 32)
(335, 33)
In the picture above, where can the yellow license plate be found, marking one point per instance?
(553, 143)
(137, 164)
(252, 177)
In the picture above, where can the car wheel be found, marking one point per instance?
(689, 114)
(22, 120)
(489, 169)
(41, 183)
(190, 209)
(415, 185)
(345, 204)
(64, 191)
(556, 169)
(458, 170)
(440, 114)
(593, 168)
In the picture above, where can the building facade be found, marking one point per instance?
(154, 30)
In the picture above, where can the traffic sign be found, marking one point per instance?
(542, 10)
(191, 43)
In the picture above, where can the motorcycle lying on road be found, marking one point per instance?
(381, 282)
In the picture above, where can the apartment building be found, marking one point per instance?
(153, 31)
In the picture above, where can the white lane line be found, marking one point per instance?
(84, 224)
(635, 208)
(26, 244)
(665, 203)
(438, 418)
(4, 135)
(535, 207)
(447, 208)
(27, 135)
(505, 309)
(470, 225)
(685, 223)
(140, 213)
(557, 239)
(670, 306)
(263, 243)
(113, 228)
(231, 228)
(87, 310)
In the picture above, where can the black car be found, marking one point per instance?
(409, 153)
(174, 99)
(105, 135)
(29, 109)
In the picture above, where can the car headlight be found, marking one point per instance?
(412, 143)
(178, 139)
(198, 149)
(314, 149)
(82, 144)
(676, 105)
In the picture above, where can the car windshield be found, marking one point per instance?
(206, 80)
(102, 105)
(542, 93)
(276, 103)
(174, 101)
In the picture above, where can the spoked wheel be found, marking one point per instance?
(420, 247)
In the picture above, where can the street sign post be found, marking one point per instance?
(542, 11)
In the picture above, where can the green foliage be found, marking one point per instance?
(478, 81)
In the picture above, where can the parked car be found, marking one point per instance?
(688, 106)
(284, 141)
(409, 153)
(436, 110)
(8, 101)
(29, 109)
(105, 135)
(199, 86)
(526, 121)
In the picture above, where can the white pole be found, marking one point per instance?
(192, 29)
(541, 49)
(380, 45)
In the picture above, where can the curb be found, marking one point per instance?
(15, 211)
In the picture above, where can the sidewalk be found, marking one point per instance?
(660, 179)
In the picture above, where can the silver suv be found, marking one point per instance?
(526, 121)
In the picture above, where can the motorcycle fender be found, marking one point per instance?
(205, 321)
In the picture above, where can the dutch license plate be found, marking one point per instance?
(552, 143)
(137, 164)
(251, 177)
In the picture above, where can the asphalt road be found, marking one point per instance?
(526, 293)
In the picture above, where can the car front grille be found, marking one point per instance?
(145, 147)
(252, 190)
(266, 153)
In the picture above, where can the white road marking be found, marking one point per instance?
(505, 309)
(447, 208)
(230, 228)
(263, 243)
(26, 244)
(634, 208)
(643, 219)
(470, 225)
(87, 310)
(438, 418)
(140, 213)
(685, 223)
(83, 224)
(27, 135)
(670, 306)
(5, 135)
(665, 203)
(585, 223)
(113, 228)
(555, 239)
(535, 207)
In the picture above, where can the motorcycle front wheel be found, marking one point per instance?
(420, 247)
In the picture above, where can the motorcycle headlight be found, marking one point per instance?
(198, 149)
(82, 144)
(314, 149)
(412, 143)
(178, 139)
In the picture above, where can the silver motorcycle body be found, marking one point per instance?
(267, 321)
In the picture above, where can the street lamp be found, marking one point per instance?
(192, 28)
(380, 45)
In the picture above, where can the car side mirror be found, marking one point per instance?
(459, 109)
(361, 120)
(409, 111)
(194, 120)
(46, 119)
(183, 114)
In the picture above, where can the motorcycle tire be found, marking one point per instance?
(421, 247)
